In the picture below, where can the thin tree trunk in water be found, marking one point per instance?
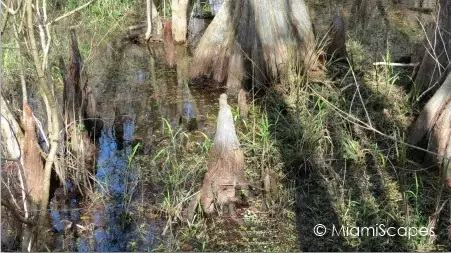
(187, 108)
(180, 20)
(154, 25)
(45, 92)
(149, 4)
(169, 48)
(266, 33)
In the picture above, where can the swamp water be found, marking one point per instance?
(138, 97)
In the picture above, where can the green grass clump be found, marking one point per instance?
(342, 143)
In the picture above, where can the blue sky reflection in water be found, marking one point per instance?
(114, 226)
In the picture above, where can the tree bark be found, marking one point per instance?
(34, 169)
(435, 123)
(266, 34)
(10, 132)
(337, 46)
(154, 25)
(225, 164)
(438, 50)
(149, 7)
(45, 92)
(169, 48)
(180, 20)
(215, 5)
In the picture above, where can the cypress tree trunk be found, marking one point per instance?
(254, 38)
(438, 50)
(179, 20)
(434, 121)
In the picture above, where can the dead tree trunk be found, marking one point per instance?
(33, 166)
(79, 110)
(259, 37)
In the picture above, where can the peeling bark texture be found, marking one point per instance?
(225, 165)
(262, 32)
(180, 20)
(169, 49)
(33, 166)
(442, 140)
(337, 46)
(438, 53)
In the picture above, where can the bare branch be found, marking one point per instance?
(67, 14)
(16, 213)
(394, 64)
(11, 10)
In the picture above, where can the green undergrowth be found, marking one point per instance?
(343, 140)
(335, 146)
(180, 164)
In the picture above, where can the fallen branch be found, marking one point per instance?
(395, 64)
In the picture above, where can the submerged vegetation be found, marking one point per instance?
(323, 149)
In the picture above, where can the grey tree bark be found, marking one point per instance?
(180, 20)
(438, 51)
(255, 39)
(434, 121)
